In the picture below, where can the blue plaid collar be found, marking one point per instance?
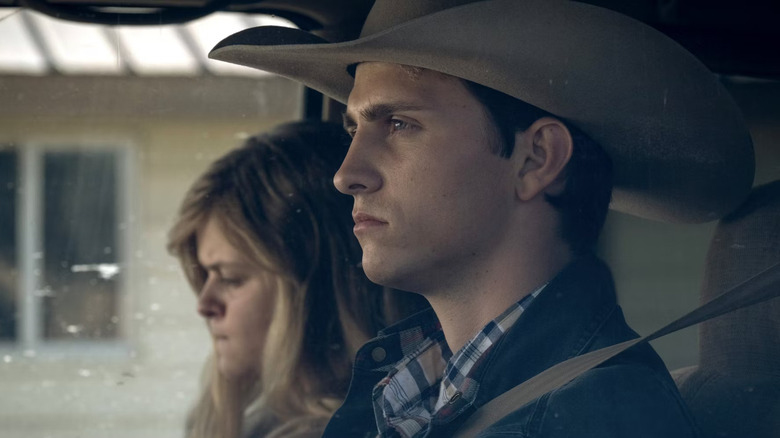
(429, 377)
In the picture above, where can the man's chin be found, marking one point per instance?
(388, 275)
(379, 273)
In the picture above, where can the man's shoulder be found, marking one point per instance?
(615, 400)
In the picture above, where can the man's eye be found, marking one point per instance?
(398, 125)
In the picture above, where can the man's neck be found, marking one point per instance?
(465, 310)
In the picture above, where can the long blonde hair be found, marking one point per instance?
(275, 201)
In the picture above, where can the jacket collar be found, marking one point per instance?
(563, 321)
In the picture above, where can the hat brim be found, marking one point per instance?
(680, 148)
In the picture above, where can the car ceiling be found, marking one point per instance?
(733, 38)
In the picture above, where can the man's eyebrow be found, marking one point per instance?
(378, 111)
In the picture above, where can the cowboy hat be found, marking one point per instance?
(680, 148)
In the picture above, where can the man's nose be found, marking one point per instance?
(358, 173)
(209, 304)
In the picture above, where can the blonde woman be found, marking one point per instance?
(266, 242)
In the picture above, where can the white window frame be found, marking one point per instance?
(29, 340)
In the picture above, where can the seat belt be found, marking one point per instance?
(759, 288)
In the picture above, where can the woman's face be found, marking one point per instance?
(237, 301)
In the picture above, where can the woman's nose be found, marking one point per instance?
(209, 304)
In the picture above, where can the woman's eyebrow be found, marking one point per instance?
(219, 266)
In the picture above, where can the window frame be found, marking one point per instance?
(30, 221)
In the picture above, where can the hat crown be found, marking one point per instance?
(389, 13)
(680, 148)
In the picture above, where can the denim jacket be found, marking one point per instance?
(631, 395)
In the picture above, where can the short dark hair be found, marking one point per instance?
(585, 200)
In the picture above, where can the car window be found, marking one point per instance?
(101, 131)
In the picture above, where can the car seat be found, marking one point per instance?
(735, 389)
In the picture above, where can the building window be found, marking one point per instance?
(8, 265)
(63, 244)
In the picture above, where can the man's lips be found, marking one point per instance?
(365, 221)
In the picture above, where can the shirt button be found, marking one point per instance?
(455, 397)
(378, 354)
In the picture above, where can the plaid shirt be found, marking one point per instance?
(429, 376)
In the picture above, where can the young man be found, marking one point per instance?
(484, 138)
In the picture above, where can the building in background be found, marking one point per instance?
(101, 132)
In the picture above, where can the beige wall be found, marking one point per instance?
(174, 128)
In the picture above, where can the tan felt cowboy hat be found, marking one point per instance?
(681, 150)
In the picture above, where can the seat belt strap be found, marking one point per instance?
(759, 288)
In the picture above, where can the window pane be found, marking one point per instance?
(80, 234)
(8, 265)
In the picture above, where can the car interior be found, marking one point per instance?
(110, 108)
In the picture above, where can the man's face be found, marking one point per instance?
(432, 203)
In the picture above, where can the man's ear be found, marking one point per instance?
(545, 149)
